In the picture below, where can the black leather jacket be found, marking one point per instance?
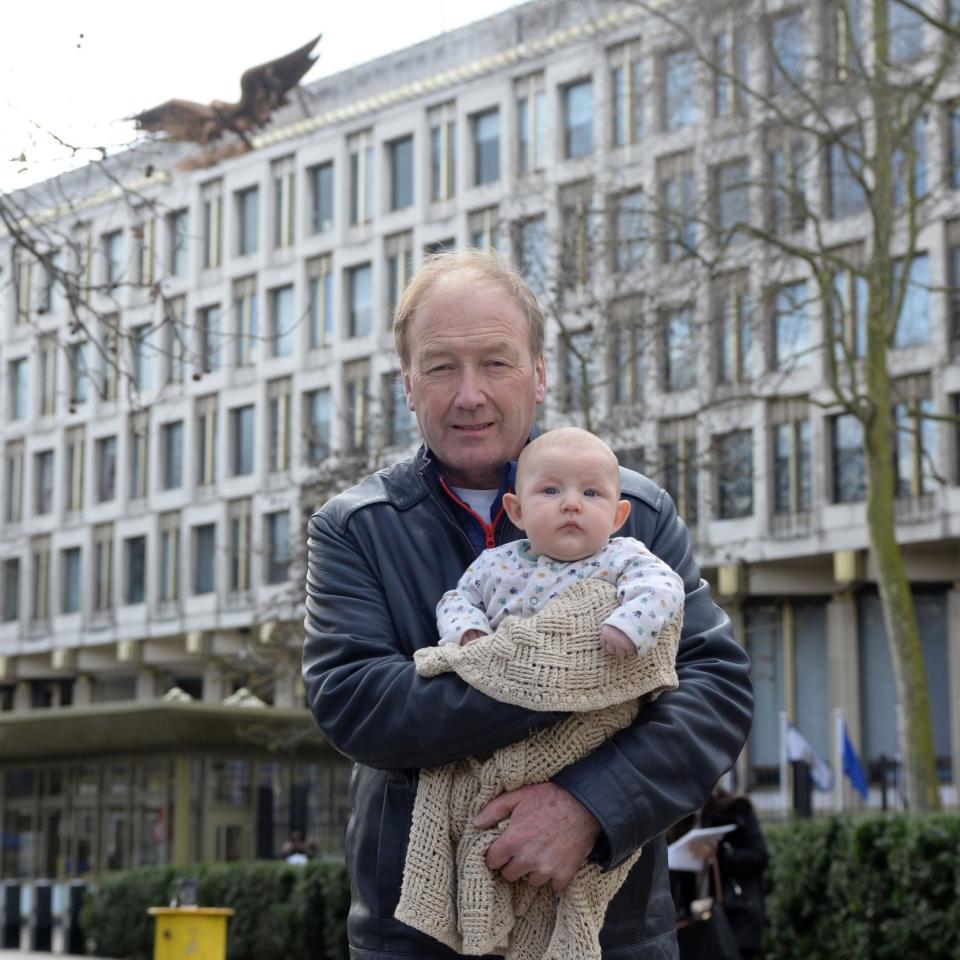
(380, 557)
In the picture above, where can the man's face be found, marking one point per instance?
(568, 502)
(473, 382)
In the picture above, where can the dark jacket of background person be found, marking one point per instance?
(380, 557)
(742, 858)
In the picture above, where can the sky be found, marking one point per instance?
(71, 71)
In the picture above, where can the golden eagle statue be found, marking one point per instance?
(263, 90)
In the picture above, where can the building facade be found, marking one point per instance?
(195, 349)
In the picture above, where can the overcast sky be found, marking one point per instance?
(74, 70)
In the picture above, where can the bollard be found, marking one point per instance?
(190, 933)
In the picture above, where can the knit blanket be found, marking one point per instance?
(551, 661)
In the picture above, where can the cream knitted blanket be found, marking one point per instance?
(551, 661)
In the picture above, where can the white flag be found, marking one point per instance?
(800, 748)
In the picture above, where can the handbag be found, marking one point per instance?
(707, 935)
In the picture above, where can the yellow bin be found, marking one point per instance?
(190, 933)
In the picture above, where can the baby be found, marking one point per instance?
(567, 501)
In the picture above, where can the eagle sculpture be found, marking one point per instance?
(263, 90)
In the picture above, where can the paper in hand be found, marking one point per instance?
(679, 855)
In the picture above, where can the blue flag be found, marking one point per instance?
(852, 767)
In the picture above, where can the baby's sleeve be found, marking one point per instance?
(463, 608)
(650, 593)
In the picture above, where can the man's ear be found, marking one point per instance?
(407, 389)
(511, 503)
(620, 517)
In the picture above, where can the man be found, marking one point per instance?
(469, 336)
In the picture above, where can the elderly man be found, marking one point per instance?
(469, 335)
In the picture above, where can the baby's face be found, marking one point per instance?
(569, 502)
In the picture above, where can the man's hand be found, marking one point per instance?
(549, 836)
(470, 635)
(616, 642)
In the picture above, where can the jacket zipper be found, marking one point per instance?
(489, 539)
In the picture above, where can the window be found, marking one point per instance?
(680, 349)
(399, 422)
(626, 353)
(791, 455)
(680, 467)
(206, 424)
(953, 279)
(360, 300)
(677, 206)
(356, 395)
(238, 519)
(169, 585)
(579, 235)
(178, 226)
(18, 388)
(144, 234)
(360, 147)
(320, 293)
(278, 393)
(578, 119)
(11, 589)
(848, 310)
(955, 413)
(13, 470)
(40, 551)
(284, 202)
(734, 474)
(846, 42)
(74, 447)
(139, 444)
(844, 174)
(731, 201)
(204, 558)
(953, 140)
(174, 339)
(732, 318)
(141, 343)
(51, 296)
(282, 321)
(321, 197)
(210, 337)
(910, 167)
(679, 104)
(70, 590)
(278, 546)
(913, 321)
(79, 374)
(102, 568)
(579, 361)
(915, 440)
(135, 565)
(729, 69)
(791, 326)
(48, 376)
(113, 257)
(439, 246)
(905, 32)
(443, 152)
(171, 455)
(399, 251)
(785, 52)
(242, 439)
(849, 468)
(629, 229)
(486, 147)
(43, 482)
(787, 206)
(484, 228)
(318, 417)
(212, 194)
(106, 451)
(531, 123)
(400, 153)
(531, 252)
(245, 309)
(248, 221)
(626, 93)
(109, 363)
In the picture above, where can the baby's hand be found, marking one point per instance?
(615, 642)
(471, 635)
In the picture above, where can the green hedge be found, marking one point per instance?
(282, 910)
(864, 888)
(883, 887)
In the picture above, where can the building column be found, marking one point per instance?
(843, 655)
(183, 816)
(82, 691)
(734, 610)
(953, 661)
(285, 679)
(214, 682)
(22, 699)
(147, 682)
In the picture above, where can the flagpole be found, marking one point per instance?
(838, 758)
(784, 765)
